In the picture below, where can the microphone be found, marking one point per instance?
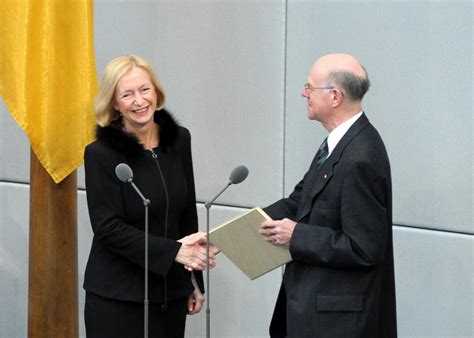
(125, 174)
(237, 175)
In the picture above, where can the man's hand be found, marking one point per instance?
(196, 238)
(192, 253)
(279, 231)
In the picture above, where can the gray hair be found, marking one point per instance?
(354, 86)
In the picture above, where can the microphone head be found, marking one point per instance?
(124, 172)
(239, 174)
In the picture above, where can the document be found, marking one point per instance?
(240, 241)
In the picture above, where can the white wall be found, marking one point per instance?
(233, 71)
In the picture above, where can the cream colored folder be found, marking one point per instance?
(240, 241)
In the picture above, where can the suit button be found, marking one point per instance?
(325, 176)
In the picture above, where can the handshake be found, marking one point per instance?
(193, 252)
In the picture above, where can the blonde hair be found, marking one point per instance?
(104, 102)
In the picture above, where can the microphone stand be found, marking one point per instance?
(208, 302)
(146, 203)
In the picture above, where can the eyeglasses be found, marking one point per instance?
(309, 88)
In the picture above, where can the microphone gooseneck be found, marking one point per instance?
(237, 175)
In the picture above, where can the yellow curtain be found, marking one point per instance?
(48, 77)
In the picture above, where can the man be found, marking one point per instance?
(338, 220)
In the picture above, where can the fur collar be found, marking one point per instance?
(127, 143)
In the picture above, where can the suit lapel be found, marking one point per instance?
(319, 177)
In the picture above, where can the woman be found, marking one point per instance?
(134, 128)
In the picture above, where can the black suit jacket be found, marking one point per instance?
(115, 268)
(341, 280)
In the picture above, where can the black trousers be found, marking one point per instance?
(109, 318)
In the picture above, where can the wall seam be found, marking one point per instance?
(414, 227)
(285, 42)
(407, 226)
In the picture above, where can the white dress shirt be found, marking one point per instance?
(336, 135)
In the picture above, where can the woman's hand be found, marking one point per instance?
(195, 299)
(192, 253)
(195, 302)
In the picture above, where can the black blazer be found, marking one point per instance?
(115, 268)
(341, 280)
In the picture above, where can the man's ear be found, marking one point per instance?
(336, 97)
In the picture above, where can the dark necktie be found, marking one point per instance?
(323, 153)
